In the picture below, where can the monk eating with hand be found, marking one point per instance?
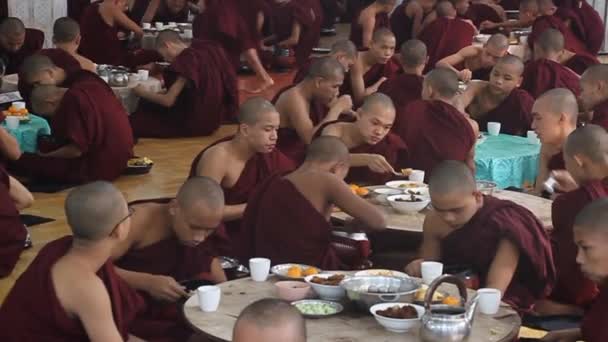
(307, 105)
(479, 11)
(201, 92)
(546, 72)
(528, 12)
(554, 117)
(374, 151)
(433, 129)
(84, 299)
(474, 62)
(407, 19)
(66, 37)
(373, 67)
(17, 43)
(240, 162)
(407, 87)
(510, 250)
(270, 319)
(344, 51)
(594, 94)
(287, 217)
(369, 20)
(500, 99)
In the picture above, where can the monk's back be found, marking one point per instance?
(312, 186)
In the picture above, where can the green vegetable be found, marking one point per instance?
(316, 309)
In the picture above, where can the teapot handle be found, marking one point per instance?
(447, 278)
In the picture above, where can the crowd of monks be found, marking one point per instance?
(387, 98)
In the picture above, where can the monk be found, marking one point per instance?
(269, 319)
(344, 51)
(164, 11)
(546, 72)
(584, 21)
(240, 162)
(500, 99)
(594, 94)
(554, 117)
(577, 62)
(374, 151)
(510, 250)
(446, 35)
(83, 297)
(453, 135)
(407, 87)
(66, 37)
(528, 12)
(590, 236)
(17, 43)
(369, 20)
(373, 66)
(201, 92)
(288, 216)
(476, 62)
(93, 137)
(307, 105)
(407, 19)
(478, 11)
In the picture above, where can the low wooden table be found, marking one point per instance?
(348, 326)
(413, 222)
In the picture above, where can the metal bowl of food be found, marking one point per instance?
(367, 291)
(119, 78)
(233, 268)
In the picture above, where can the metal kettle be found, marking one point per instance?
(444, 323)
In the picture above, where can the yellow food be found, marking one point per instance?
(294, 272)
(353, 188)
(421, 294)
(362, 191)
(310, 271)
(451, 300)
(407, 172)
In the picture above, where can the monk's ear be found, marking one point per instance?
(580, 160)
(173, 207)
(244, 129)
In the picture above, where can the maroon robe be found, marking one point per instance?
(445, 37)
(572, 286)
(356, 30)
(402, 25)
(585, 23)
(403, 89)
(571, 41)
(543, 75)
(34, 312)
(434, 131)
(600, 115)
(13, 233)
(579, 63)
(593, 327)
(76, 8)
(497, 220)
(209, 97)
(91, 117)
(34, 39)
(390, 69)
(479, 12)
(556, 162)
(514, 113)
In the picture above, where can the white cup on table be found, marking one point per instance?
(143, 74)
(533, 138)
(12, 122)
(431, 270)
(147, 26)
(259, 268)
(489, 300)
(188, 34)
(209, 298)
(18, 105)
(158, 25)
(494, 128)
(417, 176)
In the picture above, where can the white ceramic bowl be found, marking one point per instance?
(395, 324)
(408, 207)
(482, 38)
(326, 292)
(405, 185)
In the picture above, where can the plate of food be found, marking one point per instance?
(398, 317)
(312, 308)
(405, 185)
(438, 297)
(359, 190)
(294, 271)
(19, 111)
(139, 165)
(381, 272)
(327, 285)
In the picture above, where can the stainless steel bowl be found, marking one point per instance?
(367, 291)
(119, 79)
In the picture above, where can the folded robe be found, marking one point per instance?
(445, 37)
(32, 44)
(403, 89)
(572, 286)
(390, 69)
(600, 115)
(581, 62)
(514, 113)
(571, 41)
(12, 233)
(356, 30)
(210, 96)
(585, 22)
(91, 117)
(497, 220)
(594, 328)
(452, 136)
(543, 75)
(34, 312)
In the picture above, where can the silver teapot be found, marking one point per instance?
(119, 78)
(444, 323)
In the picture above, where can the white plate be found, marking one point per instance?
(381, 272)
(281, 271)
(405, 185)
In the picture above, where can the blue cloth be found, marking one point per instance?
(28, 132)
(507, 160)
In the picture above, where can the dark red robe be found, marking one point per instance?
(76, 8)
(33, 311)
(579, 63)
(434, 131)
(390, 69)
(13, 233)
(403, 89)
(209, 98)
(479, 12)
(445, 37)
(497, 220)
(34, 39)
(571, 41)
(556, 162)
(594, 328)
(356, 30)
(585, 22)
(543, 75)
(572, 286)
(91, 117)
(510, 5)
(256, 170)
(401, 24)
(514, 113)
(600, 115)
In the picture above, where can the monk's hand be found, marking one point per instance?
(465, 75)
(413, 268)
(139, 90)
(379, 164)
(487, 25)
(375, 86)
(342, 104)
(565, 182)
(165, 288)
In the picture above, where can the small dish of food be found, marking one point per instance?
(408, 204)
(292, 290)
(398, 317)
(139, 166)
(294, 271)
(310, 308)
(327, 286)
(359, 190)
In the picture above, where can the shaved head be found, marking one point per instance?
(377, 100)
(413, 53)
(513, 61)
(595, 73)
(451, 176)
(381, 34)
(594, 217)
(168, 36)
(326, 149)
(12, 26)
(65, 30)
(590, 141)
(443, 81)
(325, 67)
(445, 9)
(346, 47)
(93, 210)
(546, 7)
(559, 101)
(498, 41)
(270, 320)
(252, 110)
(201, 190)
(33, 66)
(551, 40)
(528, 5)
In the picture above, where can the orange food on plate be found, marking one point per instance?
(451, 300)
(23, 111)
(353, 188)
(362, 191)
(294, 272)
(310, 271)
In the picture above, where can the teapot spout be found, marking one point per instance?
(471, 308)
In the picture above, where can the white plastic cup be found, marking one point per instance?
(147, 26)
(417, 176)
(18, 105)
(143, 74)
(209, 298)
(172, 24)
(259, 268)
(489, 301)
(12, 122)
(494, 128)
(533, 137)
(158, 25)
(188, 34)
(431, 270)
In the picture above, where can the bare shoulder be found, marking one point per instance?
(334, 130)
(471, 51)
(73, 284)
(216, 152)
(476, 86)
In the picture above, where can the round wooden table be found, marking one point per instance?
(348, 326)
(413, 222)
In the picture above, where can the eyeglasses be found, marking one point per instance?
(131, 212)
